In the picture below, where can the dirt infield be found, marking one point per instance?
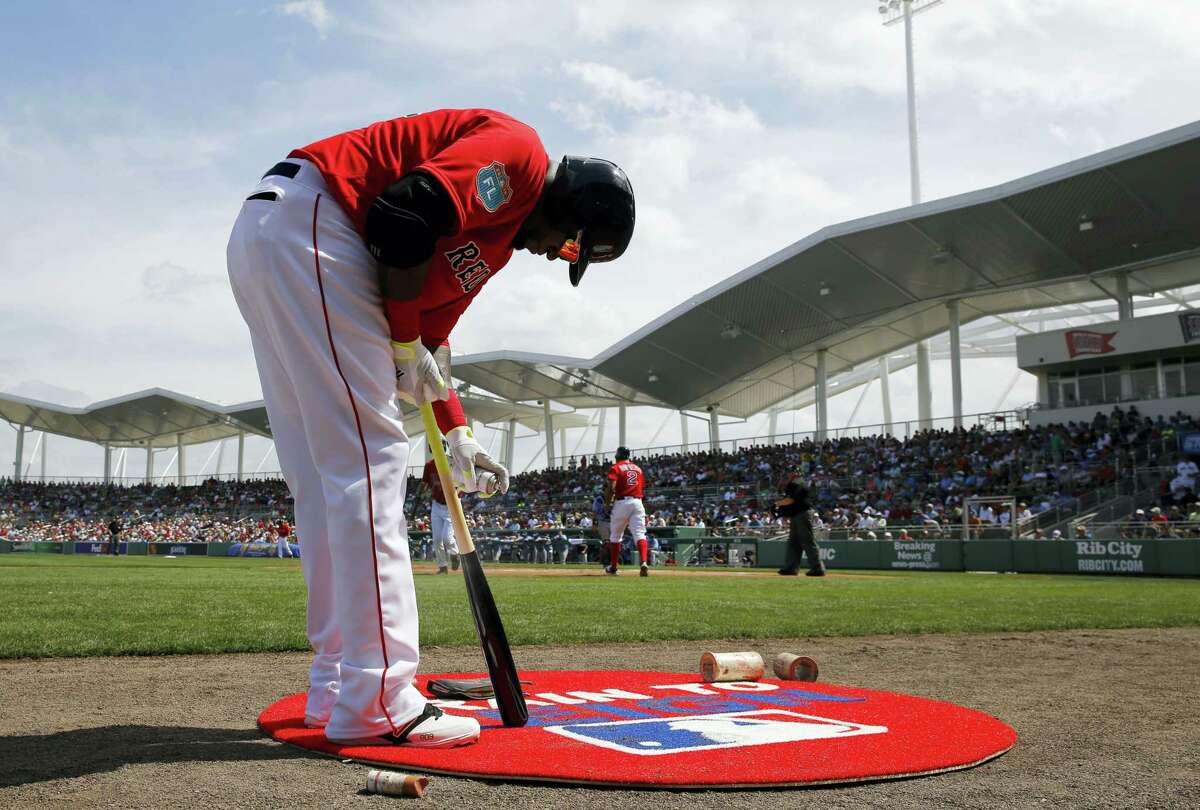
(1106, 718)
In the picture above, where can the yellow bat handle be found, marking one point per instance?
(433, 437)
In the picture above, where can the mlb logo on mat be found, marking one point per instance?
(674, 735)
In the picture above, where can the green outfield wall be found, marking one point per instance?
(1129, 557)
(1154, 557)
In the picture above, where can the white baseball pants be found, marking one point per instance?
(283, 548)
(628, 512)
(444, 543)
(306, 287)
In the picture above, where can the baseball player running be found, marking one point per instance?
(623, 492)
(445, 549)
(351, 262)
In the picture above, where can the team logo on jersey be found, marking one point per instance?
(492, 186)
(468, 267)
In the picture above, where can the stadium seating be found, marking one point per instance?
(863, 488)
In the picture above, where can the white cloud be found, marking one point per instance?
(167, 281)
(314, 12)
(743, 127)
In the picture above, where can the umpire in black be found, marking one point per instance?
(794, 506)
(114, 535)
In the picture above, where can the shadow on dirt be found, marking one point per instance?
(66, 754)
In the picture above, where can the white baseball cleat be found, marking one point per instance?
(432, 728)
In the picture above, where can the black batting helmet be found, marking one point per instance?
(592, 199)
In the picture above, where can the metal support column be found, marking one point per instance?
(1124, 299)
(20, 453)
(510, 444)
(924, 387)
(772, 424)
(600, 431)
(885, 392)
(820, 390)
(548, 426)
(241, 468)
(46, 444)
(955, 363)
(683, 436)
(562, 445)
(149, 462)
(180, 460)
(714, 428)
(621, 426)
(107, 464)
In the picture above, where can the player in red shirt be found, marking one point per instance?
(351, 261)
(445, 548)
(283, 546)
(623, 492)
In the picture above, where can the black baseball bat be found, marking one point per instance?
(503, 672)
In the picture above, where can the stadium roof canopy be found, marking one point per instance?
(869, 287)
(161, 418)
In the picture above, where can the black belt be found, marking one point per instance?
(283, 169)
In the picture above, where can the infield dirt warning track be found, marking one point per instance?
(1105, 718)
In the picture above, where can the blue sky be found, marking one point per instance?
(130, 131)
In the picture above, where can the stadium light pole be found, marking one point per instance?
(894, 12)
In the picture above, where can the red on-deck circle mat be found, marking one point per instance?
(671, 730)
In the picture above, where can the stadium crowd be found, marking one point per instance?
(861, 487)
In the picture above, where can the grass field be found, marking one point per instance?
(81, 606)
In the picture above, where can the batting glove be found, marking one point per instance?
(418, 378)
(480, 472)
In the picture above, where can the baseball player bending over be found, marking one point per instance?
(351, 262)
(623, 492)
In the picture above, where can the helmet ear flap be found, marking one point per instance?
(593, 199)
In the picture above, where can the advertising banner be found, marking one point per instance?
(1110, 556)
(1189, 444)
(923, 555)
(259, 550)
(177, 549)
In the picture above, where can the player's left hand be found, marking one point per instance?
(470, 460)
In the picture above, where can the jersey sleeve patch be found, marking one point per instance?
(492, 186)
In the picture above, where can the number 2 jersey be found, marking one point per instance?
(628, 480)
(493, 168)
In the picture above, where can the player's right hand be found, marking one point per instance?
(418, 378)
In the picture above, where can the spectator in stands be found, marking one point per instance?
(920, 481)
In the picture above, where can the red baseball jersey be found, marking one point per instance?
(493, 168)
(628, 480)
(430, 479)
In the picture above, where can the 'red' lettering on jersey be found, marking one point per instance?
(628, 480)
(492, 166)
